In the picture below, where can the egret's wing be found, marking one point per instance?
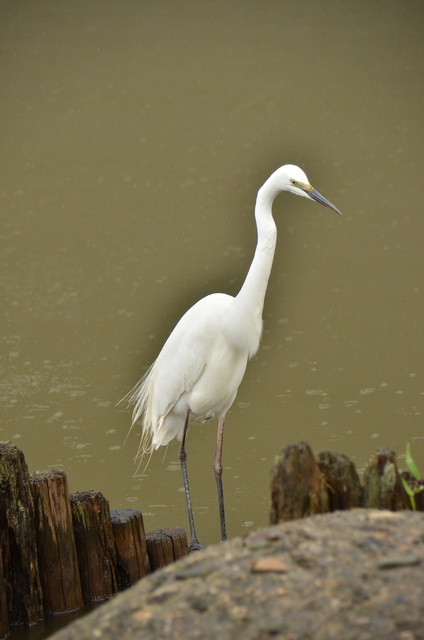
(186, 352)
(176, 370)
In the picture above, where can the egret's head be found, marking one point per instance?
(293, 179)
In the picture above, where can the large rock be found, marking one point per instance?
(348, 575)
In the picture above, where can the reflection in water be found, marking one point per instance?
(134, 141)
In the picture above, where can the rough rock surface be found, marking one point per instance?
(349, 575)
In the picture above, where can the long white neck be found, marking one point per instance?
(251, 297)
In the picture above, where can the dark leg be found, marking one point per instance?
(218, 477)
(194, 543)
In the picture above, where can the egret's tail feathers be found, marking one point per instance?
(139, 396)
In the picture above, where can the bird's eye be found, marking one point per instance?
(293, 181)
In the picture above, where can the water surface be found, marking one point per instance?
(134, 138)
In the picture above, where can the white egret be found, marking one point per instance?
(199, 369)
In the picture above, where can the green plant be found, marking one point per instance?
(416, 483)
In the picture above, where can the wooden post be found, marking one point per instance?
(165, 546)
(131, 549)
(298, 488)
(382, 484)
(342, 480)
(57, 557)
(418, 485)
(95, 546)
(4, 613)
(24, 600)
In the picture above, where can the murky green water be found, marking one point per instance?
(134, 138)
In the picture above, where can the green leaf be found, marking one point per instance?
(411, 494)
(411, 464)
(407, 488)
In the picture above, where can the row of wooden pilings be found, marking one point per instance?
(61, 553)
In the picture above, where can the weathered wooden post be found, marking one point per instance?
(57, 557)
(298, 488)
(4, 612)
(95, 546)
(165, 546)
(382, 484)
(131, 548)
(418, 485)
(20, 580)
(59, 552)
(342, 480)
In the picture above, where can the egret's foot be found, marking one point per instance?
(195, 546)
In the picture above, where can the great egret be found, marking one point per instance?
(199, 369)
